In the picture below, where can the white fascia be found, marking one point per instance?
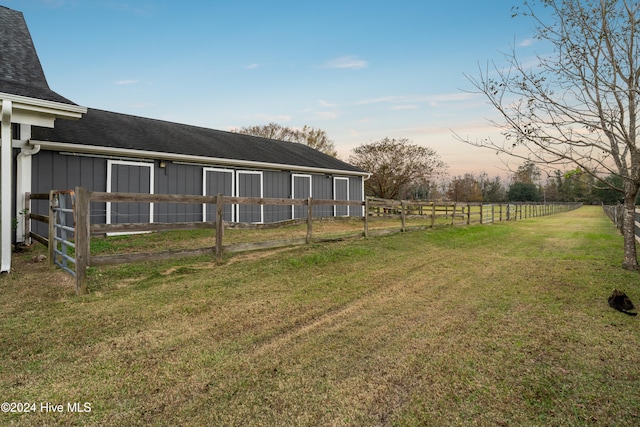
(39, 112)
(123, 152)
(24, 111)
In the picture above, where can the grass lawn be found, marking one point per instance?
(504, 324)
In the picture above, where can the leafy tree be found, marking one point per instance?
(420, 191)
(396, 166)
(529, 173)
(493, 191)
(559, 187)
(551, 190)
(314, 138)
(607, 195)
(581, 185)
(580, 106)
(523, 192)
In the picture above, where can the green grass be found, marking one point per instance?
(334, 228)
(505, 324)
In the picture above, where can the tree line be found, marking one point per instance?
(529, 184)
(576, 108)
(402, 170)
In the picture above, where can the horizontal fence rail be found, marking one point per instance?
(615, 214)
(432, 213)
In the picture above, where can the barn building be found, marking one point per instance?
(107, 151)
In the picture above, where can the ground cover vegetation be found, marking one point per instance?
(575, 106)
(506, 324)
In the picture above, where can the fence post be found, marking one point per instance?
(309, 219)
(27, 218)
(403, 215)
(468, 214)
(52, 241)
(433, 214)
(83, 238)
(219, 226)
(366, 217)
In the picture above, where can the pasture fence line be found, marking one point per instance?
(431, 214)
(615, 213)
(464, 213)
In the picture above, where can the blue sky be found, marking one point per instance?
(360, 70)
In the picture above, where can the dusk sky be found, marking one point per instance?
(359, 70)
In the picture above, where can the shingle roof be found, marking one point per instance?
(115, 130)
(20, 69)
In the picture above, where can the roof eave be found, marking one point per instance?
(124, 152)
(40, 112)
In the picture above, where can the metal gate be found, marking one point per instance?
(62, 228)
(487, 214)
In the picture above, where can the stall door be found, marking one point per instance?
(301, 189)
(249, 185)
(341, 192)
(129, 177)
(214, 182)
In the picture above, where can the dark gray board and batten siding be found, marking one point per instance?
(53, 170)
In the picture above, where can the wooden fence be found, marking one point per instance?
(615, 213)
(435, 213)
(463, 213)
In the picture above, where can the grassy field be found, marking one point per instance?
(504, 324)
(202, 238)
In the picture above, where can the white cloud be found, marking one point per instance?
(526, 42)
(125, 82)
(252, 66)
(326, 104)
(405, 107)
(413, 101)
(347, 61)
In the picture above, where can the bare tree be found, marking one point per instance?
(396, 165)
(465, 188)
(314, 138)
(578, 108)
